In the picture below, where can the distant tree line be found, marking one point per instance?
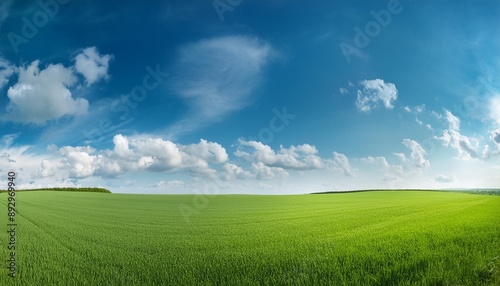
(495, 192)
(87, 190)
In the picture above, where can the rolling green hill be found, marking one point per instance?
(365, 238)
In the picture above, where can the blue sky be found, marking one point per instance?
(250, 96)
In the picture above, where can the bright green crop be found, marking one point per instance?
(366, 238)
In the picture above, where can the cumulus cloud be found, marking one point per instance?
(264, 172)
(216, 77)
(301, 157)
(142, 154)
(80, 161)
(374, 93)
(376, 161)
(43, 95)
(208, 151)
(92, 65)
(465, 146)
(48, 168)
(232, 171)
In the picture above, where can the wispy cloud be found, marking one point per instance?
(6, 70)
(216, 77)
(340, 162)
(4, 10)
(465, 146)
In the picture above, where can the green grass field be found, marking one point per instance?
(366, 238)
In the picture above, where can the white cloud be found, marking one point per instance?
(416, 109)
(494, 106)
(36, 170)
(122, 148)
(340, 162)
(459, 142)
(453, 121)
(437, 115)
(465, 146)
(216, 77)
(43, 95)
(208, 151)
(8, 139)
(445, 179)
(420, 108)
(169, 184)
(411, 164)
(142, 154)
(231, 171)
(80, 161)
(151, 160)
(301, 157)
(92, 65)
(165, 155)
(487, 152)
(375, 160)
(48, 168)
(343, 91)
(375, 92)
(6, 70)
(495, 136)
(417, 154)
(264, 172)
